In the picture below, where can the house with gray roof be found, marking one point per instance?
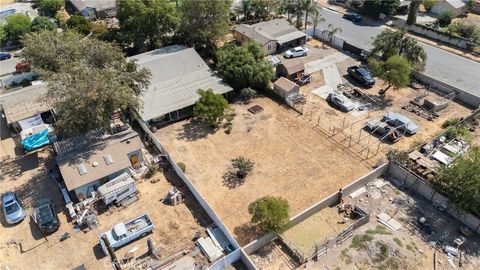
(456, 7)
(177, 74)
(93, 9)
(274, 36)
(90, 160)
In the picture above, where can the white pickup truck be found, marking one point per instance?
(124, 233)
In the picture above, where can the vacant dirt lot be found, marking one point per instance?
(321, 114)
(292, 160)
(23, 247)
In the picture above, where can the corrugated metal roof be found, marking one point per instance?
(177, 74)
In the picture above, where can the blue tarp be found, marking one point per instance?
(36, 141)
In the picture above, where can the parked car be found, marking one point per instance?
(45, 216)
(400, 121)
(12, 208)
(124, 233)
(296, 52)
(341, 102)
(5, 55)
(362, 75)
(384, 129)
(305, 79)
(354, 17)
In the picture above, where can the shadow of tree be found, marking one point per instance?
(194, 129)
(246, 233)
(14, 168)
(231, 180)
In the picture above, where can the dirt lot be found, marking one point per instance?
(374, 246)
(323, 115)
(22, 246)
(292, 160)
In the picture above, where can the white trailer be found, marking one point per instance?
(117, 189)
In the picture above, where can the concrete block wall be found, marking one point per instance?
(403, 176)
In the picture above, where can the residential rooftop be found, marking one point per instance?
(85, 158)
(177, 74)
(279, 30)
(24, 103)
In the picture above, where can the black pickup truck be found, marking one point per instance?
(362, 75)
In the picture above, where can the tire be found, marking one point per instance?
(304, 54)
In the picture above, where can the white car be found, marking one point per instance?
(296, 52)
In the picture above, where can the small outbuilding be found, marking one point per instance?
(286, 88)
(291, 69)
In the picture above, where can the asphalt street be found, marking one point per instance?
(8, 65)
(444, 66)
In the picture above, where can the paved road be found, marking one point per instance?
(8, 66)
(444, 66)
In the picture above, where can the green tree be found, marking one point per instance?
(41, 23)
(50, 8)
(211, 107)
(261, 8)
(270, 213)
(3, 35)
(80, 24)
(391, 42)
(88, 79)
(17, 25)
(445, 18)
(412, 11)
(244, 7)
(428, 4)
(331, 31)
(461, 181)
(203, 23)
(286, 6)
(147, 21)
(375, 7)
(244, 166)
(316, 18)
(395, 71)
(244, 66)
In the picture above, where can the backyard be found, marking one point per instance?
(291, 160)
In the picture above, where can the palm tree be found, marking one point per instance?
(316, 19)
(307, 6)
(332, 30)
(412, 11)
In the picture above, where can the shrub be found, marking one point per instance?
(445, 18)
(243, 166)
(247, 93)
(182, 166)
(210, 107)
(355, 3)
(467, 31)
(428, 4)
(450, 122)
(270, 213)
(151, 169)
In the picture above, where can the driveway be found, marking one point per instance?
(444, 66)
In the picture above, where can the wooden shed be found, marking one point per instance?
(286, 88)
(292, 69)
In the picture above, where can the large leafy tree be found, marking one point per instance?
(287, 6)
(373, 8)
(79, 24)
(395, 71)
(270, 213)
(146, 22)
(17, 26)
(50, 8)
(244, 66)
(211, 107)
(88, 80)
(204, 22)
(391, 42)
(461, 181)
(41, 23)
(3, 35)
(244, 8)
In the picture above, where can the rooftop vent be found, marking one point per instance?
(108, 159)
(95, 164)
(82, 169)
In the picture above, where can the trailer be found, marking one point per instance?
(117, 190)
(124, 233)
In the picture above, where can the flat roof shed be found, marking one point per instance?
(24, 103)
(177, 74)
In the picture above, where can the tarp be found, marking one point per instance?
(34, 130)
(36, 141)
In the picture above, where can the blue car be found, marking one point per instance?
(12, 208)
(5, 55)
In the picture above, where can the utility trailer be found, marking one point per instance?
(124, 233)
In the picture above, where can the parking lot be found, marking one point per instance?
(23, 245)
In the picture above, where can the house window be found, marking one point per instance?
(269, 47)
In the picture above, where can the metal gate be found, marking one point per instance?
(351, 48)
